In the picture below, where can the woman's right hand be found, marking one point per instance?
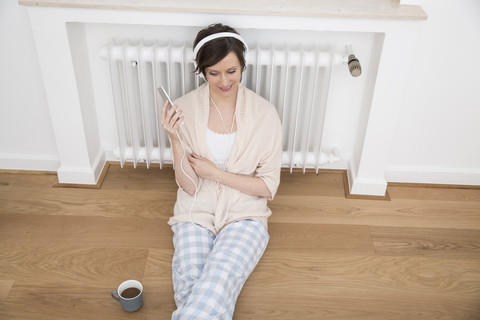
(171, 120)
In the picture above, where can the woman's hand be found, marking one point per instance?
(203, 167)
(184, 174)
(171, 120)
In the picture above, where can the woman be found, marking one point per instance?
(226, 143)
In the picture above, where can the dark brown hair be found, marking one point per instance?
(215, 50)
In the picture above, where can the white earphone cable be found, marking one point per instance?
(193, 181)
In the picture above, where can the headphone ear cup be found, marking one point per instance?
(245, 55)
(200, 74)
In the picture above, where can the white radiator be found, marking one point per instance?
(296, 80)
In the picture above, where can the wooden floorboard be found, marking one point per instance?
(402, 212)
(5, 286)
(86, 231)
(432, 242)
(321, 239)
(436, 194)
(63, 250)
(71, 264)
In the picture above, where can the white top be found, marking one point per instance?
(220, 145)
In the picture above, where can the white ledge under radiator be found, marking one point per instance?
(295, 79)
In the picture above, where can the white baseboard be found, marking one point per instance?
(365, 186)
(454, 176)
(82, 175)
(66, 174)
(34, 162)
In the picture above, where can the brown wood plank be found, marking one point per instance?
(320, 239)
(157, 282)
(284, 305)
(323, 184)
(5, 286)
(404, 278)
(68, 263)
(437, 242)
(333, 210)
(84, 202)
(26, 180)
(84, 231)
(441, 194)
(73, 300)
(140, 178)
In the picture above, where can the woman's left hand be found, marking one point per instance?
(203, 167)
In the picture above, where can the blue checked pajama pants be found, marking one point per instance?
(209, 272)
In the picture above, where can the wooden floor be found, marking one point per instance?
(63, 250)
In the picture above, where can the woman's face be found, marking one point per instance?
(224, 77)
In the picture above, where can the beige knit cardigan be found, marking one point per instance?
(257, 151)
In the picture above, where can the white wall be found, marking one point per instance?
(438, 135)
(437, 138)
(26, 135)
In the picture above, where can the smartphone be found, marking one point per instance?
(165, 96)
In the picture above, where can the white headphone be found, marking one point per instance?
(216, 36)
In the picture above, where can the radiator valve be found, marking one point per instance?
(353, 63)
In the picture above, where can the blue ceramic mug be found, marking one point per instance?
(129, 294)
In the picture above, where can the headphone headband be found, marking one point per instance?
(215, 36)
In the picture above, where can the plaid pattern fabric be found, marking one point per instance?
(209, 272)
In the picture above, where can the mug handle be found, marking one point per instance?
(113, 295)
